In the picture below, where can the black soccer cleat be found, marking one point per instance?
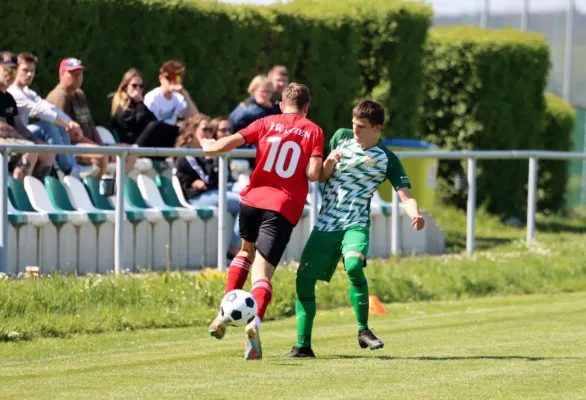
(367, 339)
(301, 352)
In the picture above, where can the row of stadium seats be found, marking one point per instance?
(70, 201)
(69, 226)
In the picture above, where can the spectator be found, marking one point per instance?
(55, 127)
(223, 127)
(199, 175)
(239, 168)
(133, 121)
(170, 100)
(280, 79)
(20, 165)
(12, 130)
(257, 106)
(69, 97)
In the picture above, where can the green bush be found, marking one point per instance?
(392, 36)
(484, 91)
(340, 56)
(556, 135)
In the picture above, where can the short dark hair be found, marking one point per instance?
(27, 58)
(371, 110)
(297, 95)
(172, 67)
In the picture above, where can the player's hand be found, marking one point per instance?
(206, 144)
(417, 222)
(335, 156)
(199, 185)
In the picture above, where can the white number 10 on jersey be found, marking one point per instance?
(283, 151)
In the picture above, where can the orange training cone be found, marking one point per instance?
(375, 307)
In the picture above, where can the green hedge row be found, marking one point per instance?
(556, 134)
(392, 35)
(342, 57)
(484, 90)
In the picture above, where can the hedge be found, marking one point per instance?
(224, 46)
(484, 91)
(556, 135)
(392, 39)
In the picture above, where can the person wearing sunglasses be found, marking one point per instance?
(13, 131)
(223, 127)
(132, 120)
(199, 175)
(170, 100)
(239, 168)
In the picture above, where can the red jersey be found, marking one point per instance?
(284, 145)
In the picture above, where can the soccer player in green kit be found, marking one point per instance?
(357, 164)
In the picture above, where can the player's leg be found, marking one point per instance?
(262, 291)
(249, 220)
(318, 261)
(354, 249)
(273, 237)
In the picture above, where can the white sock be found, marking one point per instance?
(257, 321)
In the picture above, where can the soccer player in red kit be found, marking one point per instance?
(289, 154)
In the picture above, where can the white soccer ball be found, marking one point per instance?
(239, 306)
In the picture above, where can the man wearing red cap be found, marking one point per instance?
(69, 97)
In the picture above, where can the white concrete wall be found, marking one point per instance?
(201, 248)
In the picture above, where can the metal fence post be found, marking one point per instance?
(395, 219)
(471, 205)
(531, 198)
(484, 14)
(525, 16)
(119, 214)
(222, 212)
(4, 210)
(569, 52)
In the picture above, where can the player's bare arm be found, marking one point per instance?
(314, 169)
(328, 166)
(411, 208)
(224, 145)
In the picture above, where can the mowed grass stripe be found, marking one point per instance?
(515, 347)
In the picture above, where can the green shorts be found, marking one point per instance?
(323, 250)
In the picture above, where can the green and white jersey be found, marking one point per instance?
(347, 194)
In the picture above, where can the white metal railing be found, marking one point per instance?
(122, 152)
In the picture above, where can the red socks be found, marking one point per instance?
(262, 291)
(237, 273)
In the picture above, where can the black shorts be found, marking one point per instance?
(268, 230)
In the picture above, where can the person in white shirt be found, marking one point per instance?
(170, 100)
(54, 126)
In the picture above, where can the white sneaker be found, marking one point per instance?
(218, 327)
(252, 347)
(84, 171)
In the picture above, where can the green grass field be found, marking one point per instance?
(490, 348)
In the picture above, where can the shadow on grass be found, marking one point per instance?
(559, 227)
(451, 358)
(457, 243)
